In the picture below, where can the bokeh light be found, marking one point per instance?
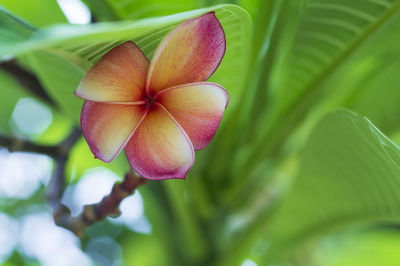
(21, 174)
(31, 117)
(75, 11)
(51, 245)
(8, 232)
(105, 251)
(249, 262)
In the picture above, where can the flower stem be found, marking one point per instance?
(108, 206)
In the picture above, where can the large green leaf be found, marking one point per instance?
(38, 12)
(372, 248)
(349, 174)
(252, 6)
(105, 10)
(370, 87)
(379, 99)
(329, 35)
(368, 84)
(13, 30)
(84, 45)
(142, 9)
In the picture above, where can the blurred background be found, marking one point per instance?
(289, 179)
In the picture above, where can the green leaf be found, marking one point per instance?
(84, 45)
(11, 92)
(60, 78)
(273, 29)
(81, 159)
(186, 221)
(360, 249)
(252, 6)
(349, 174)
(38, 12)
(150, 8)
(381, 105)
(100, 10)
(13, 30)
(368, 84)
(375, 95)
(330, 33)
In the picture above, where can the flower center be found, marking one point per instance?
(149, 100)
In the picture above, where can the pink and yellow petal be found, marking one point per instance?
(159, 148)
(119, 76)
(198, 109)
(189, 53)
(107, 127)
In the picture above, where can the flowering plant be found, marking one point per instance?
(161, 111)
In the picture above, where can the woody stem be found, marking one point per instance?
(108, 206)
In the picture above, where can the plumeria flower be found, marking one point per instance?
(159, 111)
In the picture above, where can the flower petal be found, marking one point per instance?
(119, 76)
(189, 53)
(107, 127)
(160, 149)
(197, 107)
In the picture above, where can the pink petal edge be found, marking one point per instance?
(194, 74)
(144, 175)
(118, 76)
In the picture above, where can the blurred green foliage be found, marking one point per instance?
(291, 178)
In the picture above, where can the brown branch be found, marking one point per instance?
(13, 143)
(55, 188)
(27, 80)
(93, 213)
(58, 152)
(16, 144)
